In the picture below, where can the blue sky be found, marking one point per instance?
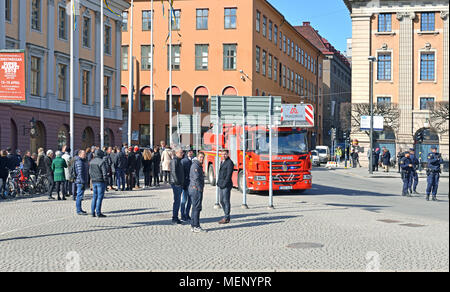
(330, 17)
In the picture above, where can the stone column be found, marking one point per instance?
(2, 25)
(52, 26)
(117, 77)
(444, 139)
(98, 51)
(445, 80)
(23, 26)
(406, 78)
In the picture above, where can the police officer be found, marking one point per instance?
(433, 172)
(406, 166)
(414, 181)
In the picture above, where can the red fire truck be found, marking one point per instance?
(291, 163)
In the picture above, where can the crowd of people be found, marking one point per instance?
(120, 169)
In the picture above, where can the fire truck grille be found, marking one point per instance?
(286, 179)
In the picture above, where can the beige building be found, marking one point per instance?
(410, 40)
(41, 28)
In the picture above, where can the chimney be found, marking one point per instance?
(306, 23)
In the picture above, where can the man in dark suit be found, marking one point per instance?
(225, 184)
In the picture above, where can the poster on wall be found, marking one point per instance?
(12, 76)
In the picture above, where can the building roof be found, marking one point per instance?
(321, 43)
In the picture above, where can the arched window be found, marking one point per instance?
(87, 138)
(63, 136)
(176, 99)
(424, 139)
(386, 139)
(108, 138)
(145, 99)
(201, 96)
(230, 91)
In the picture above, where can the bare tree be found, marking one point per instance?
(345, 116)
(439, 117)
(389, 111)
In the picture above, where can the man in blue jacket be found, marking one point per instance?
(186, 203)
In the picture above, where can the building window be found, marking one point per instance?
(175, 19)
(427, 103)
(106, 92)
(62, 25)
(146, 58)
(292, 49)
(201, 57)
(296, 53)
(201, 101)
(176, 60)
(264, 27)
(284, 43)
(269, 70)
(146, 20)
(384, 101)
(125, 21)
(86, 32)
(144, 135)
(124, 58)
(230, 18)
(8, 11)
(275, 34)
(384, 67)
(145, 100)
(275, 69)
(202, 18)
(288, 46)
(35, 79)
(427, 66)
(270, 30)
(427, 21)
(229, 57)
(384, 22)
(303, 58)
(176, 103)
(292, 80)
(62, 78)
(86, 87)
(281, 40)
(284, 76)
(36, 15)
(258, 20)
(288, 81)
(108, 40)
(264, 61)
(258, 56)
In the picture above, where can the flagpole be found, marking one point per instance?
(151, 84)
(72, 130)
(130, 82)
(102, 85)
(170, 78)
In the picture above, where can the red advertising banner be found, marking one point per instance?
(12, 76)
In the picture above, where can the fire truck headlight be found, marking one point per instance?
(260, 178)
(307, 176)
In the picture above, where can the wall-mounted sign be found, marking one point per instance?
(12, 76)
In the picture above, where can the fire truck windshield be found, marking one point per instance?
(293, 143)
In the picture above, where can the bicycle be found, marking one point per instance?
(42, 184)
(19, 184)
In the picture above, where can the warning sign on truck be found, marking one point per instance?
(299, 113)
(12, 76)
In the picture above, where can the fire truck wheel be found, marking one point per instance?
(211, 176)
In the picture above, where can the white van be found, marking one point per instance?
(324, 153)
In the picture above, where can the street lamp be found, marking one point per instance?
(372, 59)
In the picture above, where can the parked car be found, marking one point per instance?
(324, 153)
(315, 158)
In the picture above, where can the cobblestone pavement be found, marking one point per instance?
(307, 232)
